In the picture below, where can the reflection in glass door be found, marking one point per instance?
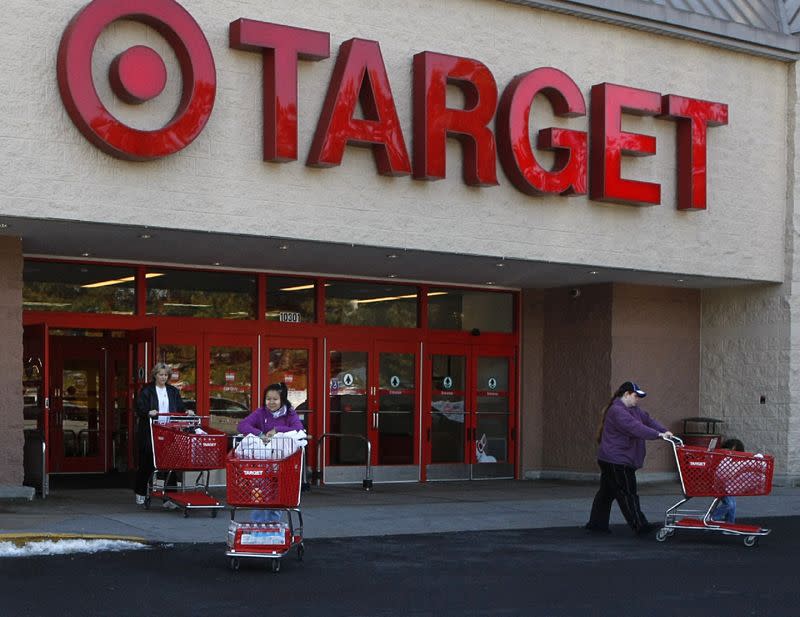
(290, 362)
(348, 406)
(230, 386)
(393, 420)
(470, 421)
(77, 439)
(373, 395)
(448, 430)
(493, 418)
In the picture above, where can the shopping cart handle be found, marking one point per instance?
(673, 440)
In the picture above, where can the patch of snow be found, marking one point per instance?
(36, 548)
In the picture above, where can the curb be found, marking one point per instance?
(24, 538)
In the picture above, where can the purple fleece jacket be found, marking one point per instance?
(624, 433)
(262, 421)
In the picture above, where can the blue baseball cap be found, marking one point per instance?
(630, 386)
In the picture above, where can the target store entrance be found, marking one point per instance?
(416, 380)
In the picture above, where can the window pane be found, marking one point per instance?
(182, 359)
(182, 293)
(371, 304)
(79, 288)
(229, 386)
(456, 309)
(290, 366)
(291, 299)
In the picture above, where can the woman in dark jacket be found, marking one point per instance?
(157, 397)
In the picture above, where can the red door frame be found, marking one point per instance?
(488, 351)
(373, 348)
(74, 347)
(471, 353)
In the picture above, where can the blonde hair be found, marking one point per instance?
(158, 367)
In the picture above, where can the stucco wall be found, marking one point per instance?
(656, 343)
(601, 338)
(531, 416)
(576, 376)
(11, 421)
(220, 182)
(745, 356)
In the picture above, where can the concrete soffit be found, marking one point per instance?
(660, 17)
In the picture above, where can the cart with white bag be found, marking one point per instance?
(715, 474)
(263, 485)
(182, 444)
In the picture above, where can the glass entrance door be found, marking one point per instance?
(448, 423)
(232, 380)
(373, 397)
(469, 424)
(293, 362)
(494, 422)
(79, 405)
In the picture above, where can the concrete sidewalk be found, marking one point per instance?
(345, 511)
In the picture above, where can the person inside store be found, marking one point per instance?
(157, 397)
(276, 414)
(621, 435)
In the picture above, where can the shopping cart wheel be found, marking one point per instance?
(234, 563)
(663, 533)
(213, 514)
(750, 541)
(186, 513)
(147, 503)
(300, 551)
(276, 565)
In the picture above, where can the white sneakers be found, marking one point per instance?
(139, 499)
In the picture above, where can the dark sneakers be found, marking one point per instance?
(647, 529)
(596, 530)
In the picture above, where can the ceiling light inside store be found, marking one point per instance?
(390, 298)
(283, 247)
(182, 304)
(127, 279)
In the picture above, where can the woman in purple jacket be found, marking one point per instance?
(277, 413)
(622, 433)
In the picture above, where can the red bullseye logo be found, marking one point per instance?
(137, 75)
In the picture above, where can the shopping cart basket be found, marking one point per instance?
(268, 487)
(181, 443)
(715, 474)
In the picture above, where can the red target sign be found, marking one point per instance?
(137, 75)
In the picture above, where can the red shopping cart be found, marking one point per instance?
(715, 474)
(270, 487)
(182, 444)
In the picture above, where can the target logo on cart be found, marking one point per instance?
(253, 472)
(697, 463)
(137, 75)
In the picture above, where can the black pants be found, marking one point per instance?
(145, 470)
(616, 482)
